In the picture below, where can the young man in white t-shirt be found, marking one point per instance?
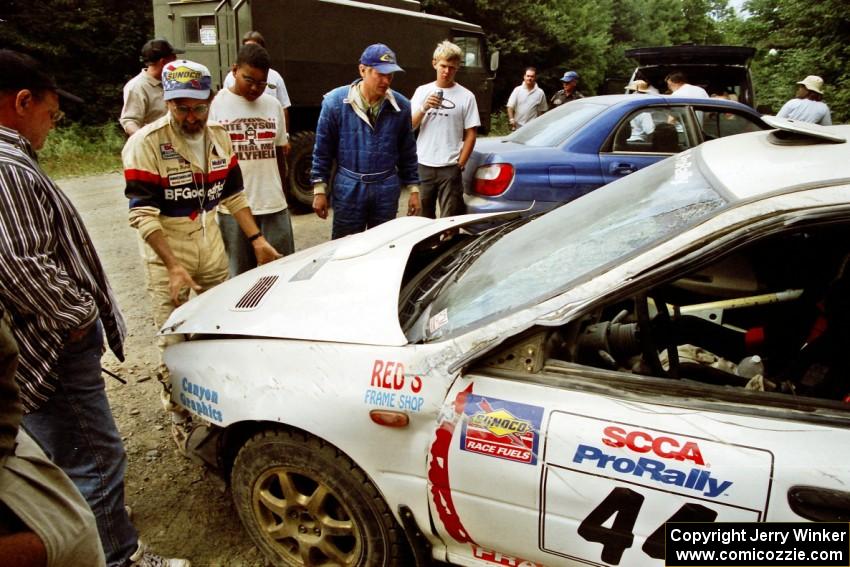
(447, 117)
(257, 129)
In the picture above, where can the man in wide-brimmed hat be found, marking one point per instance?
(807, 105)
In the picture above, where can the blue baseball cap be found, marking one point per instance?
(381, 58)
(569, 77)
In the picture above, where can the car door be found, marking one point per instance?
(558, 468)
(561, 447)
(669, 132)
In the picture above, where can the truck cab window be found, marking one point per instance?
(471, 47)
(200, 29)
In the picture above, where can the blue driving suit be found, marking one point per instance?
(372, 162)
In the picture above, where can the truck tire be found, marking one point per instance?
(299, 191)
(303, 502)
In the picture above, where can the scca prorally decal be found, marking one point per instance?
(501, 428)
(656, 468)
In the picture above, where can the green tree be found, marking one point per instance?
(795, 39)
(90, 46)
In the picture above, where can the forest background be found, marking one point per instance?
(92, 47)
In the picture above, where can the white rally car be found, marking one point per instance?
(547, 391)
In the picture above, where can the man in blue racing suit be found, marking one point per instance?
(366, 128)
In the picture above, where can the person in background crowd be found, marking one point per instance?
(257, 130)
(60, 303)
(177, 170)
(527, 101)
(143, 101)
(446, 114)
(366, 127)
(274, 83)
(678, 84)
(642, 125)
(568, 92)
(808, 105)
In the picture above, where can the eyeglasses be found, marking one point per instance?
(254, 82)
(56, 116)
(198, 109)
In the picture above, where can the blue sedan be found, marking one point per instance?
(589, 142)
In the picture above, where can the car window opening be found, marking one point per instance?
(772, 317)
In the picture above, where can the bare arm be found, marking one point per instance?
(469, 136)
(24, 549)
(280, 156)
(419, 113)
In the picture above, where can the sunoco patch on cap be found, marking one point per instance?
(186, 79)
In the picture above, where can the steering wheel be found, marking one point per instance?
(648, 336)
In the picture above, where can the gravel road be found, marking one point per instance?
(179, 508)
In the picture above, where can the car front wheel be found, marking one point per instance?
(303, 502)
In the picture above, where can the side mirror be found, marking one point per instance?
(494, 61)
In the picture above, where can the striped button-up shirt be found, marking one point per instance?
(51, 279)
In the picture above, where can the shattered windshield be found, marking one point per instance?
(554, 252)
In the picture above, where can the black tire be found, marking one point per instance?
(299, 190)
(305, 503)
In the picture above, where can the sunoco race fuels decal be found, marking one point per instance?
(501, 428)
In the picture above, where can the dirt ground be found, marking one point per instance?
(179, 508)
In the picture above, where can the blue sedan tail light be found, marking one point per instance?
(492, 180)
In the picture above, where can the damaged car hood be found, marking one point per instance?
(344, 290)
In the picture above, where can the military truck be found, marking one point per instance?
(315, 45)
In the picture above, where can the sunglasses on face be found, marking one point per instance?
(253, 82)
(56, 116)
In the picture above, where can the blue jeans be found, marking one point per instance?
(276, 228)
(76, 429)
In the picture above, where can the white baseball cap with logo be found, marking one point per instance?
(186, 79)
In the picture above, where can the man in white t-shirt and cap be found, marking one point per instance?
(257, 130)
(808, 105)
(527, 101)
(446, 114)
(642, 125)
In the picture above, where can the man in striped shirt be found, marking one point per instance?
(61, 306)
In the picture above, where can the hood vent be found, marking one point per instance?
(255, 295)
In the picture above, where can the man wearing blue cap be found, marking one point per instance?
(569, 92)
(366, 127)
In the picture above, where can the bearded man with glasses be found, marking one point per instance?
(178, 170)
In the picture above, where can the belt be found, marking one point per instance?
(365, 177)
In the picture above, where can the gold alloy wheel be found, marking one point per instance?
(304, 520)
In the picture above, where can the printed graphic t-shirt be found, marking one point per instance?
(441, 130)
(256, 128)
